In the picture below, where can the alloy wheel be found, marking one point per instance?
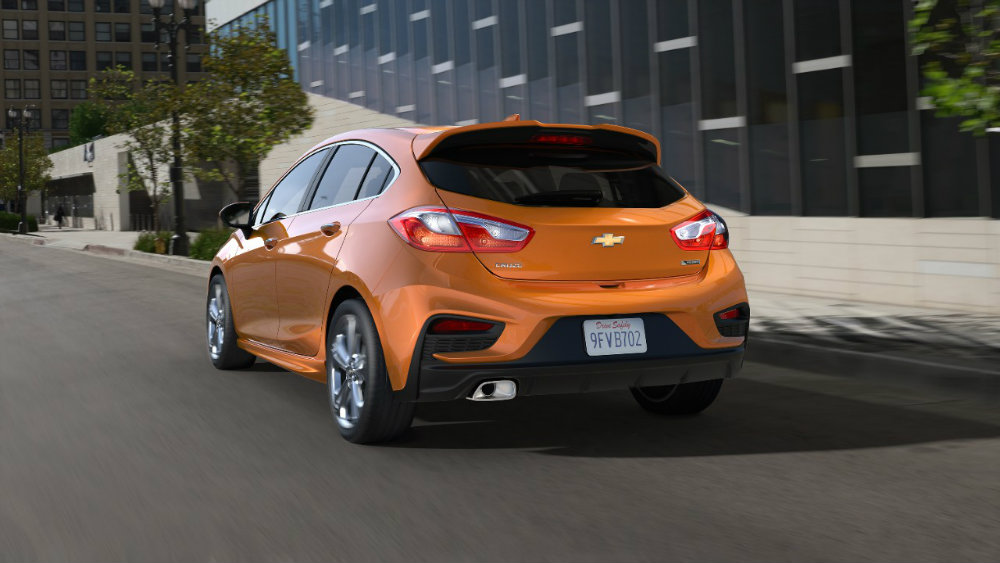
(347, 371)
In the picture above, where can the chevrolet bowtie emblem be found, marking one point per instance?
(608, 239)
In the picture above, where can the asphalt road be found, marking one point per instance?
(120, 442)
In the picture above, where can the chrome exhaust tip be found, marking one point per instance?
(497, 390)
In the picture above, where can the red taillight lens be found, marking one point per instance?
(730, 314)
(458, 326)
(438, 229)
(704, 231)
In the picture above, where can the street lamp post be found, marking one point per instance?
(21, 120)
(172, 26)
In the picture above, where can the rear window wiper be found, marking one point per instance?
(580, 198)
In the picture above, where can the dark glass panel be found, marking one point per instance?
(636, 93)
(718, 62)
(722, 167)
(671, 19)
(817, 29)
(539, 78)
(597, 33)
(510, 38)
(951, 184)
(880, 61)
(821, 139)
(885, 191)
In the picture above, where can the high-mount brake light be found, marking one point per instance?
(561, 139)
(704, 231)
(437, 229)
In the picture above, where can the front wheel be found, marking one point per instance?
(361, 399)
(684, 398)
(221, 333)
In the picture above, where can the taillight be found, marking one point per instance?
(704, 231)
(459, 326)
(561, 139)
(438, 229)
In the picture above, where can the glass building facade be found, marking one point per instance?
(770, 107)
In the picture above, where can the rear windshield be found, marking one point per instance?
(555, 185)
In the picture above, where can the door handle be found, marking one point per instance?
(269, 243)
(330, 229)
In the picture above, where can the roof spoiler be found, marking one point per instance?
(631, 142)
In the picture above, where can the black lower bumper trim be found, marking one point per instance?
(447, 382)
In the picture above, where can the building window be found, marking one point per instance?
(57, 60)
(123, 58)
(822, 142)
(194, 37)
(194, 63)
(11, 59)
(78, 89)
(78, 60)
(75, 5)
(149, 62)
(32, 89)
(29, 4)
(102, 31)
(77, 31)
(59, 142)
(147, 33)
(123, 32)
(104, 60)
(12, 88)
(8, 4)
(122, 6)
(636, 101)
(102, 6)
(57, 31)
(60, 119)
(29, 30)
(164, 62)
(31, 59)
(718, 60)
(144, 7)
(57, 5)
(817, 29)
(10, 29)
(58, 90)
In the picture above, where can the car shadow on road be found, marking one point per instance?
(750, 417)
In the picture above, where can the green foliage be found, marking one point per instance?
(154, 242)
(143, 110)
(208, 242)
(86, 121)
(10, 221)
(248, 102)
(36, 165)
(959, 46)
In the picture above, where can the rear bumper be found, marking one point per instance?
(451, 382)
(559, 364)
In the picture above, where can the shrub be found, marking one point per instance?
(158, 242)
(9, 221)
(208, 243)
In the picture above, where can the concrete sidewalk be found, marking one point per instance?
(819, 326)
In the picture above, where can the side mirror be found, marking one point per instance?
(237, 216)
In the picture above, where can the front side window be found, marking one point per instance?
(286, 197)
(343, 176)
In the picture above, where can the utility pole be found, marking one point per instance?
(21, 120)
(173, 27)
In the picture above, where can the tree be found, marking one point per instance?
(36, 165)
(959, 42)
(86, 121)
(142, 111)
(248, 103)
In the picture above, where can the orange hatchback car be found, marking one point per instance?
(484, 263)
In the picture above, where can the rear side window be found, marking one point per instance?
(378, 174)
(343, 176)
(556, 185)
(286, 197)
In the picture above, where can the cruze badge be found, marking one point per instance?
(608, 239)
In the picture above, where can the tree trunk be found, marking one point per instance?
(250, 181)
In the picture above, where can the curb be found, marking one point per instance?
(188, 265)
(885, 368)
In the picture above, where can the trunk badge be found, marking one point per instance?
(608, 239)
(690, 262)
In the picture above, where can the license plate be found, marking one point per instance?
(606, 337)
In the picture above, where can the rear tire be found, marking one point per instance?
(685, 398)
(221, 332)
(361, 399)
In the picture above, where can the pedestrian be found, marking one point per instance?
(59, 215)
